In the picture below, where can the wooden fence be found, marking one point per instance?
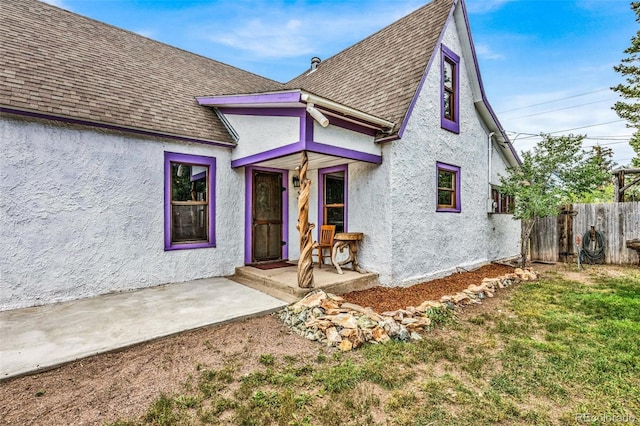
(553, 238)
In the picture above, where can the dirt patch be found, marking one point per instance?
(123, 384)
(382, 299)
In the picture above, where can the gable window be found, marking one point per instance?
(189, 205)
(333, 188)
(448, 178)
(449, 106)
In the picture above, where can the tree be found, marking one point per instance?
(630, 68)
(555, 172)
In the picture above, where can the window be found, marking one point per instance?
(503, 203)
(333, 206)
(450, 91)
(189, 201)
(448, 191)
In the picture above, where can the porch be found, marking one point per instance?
(282, 282)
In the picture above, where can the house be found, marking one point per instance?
(128, 163)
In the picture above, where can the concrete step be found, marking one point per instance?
(282, 283)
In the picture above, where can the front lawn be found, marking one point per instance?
(555, 351)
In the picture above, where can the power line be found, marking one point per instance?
(555, 100)
(561, 109)
(531, 135)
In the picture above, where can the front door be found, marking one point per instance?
(266, 239)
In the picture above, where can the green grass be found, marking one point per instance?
(553, 350)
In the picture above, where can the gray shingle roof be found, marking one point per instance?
(381, 74)
(59, 63)
(56, 62)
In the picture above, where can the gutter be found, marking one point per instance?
(334, 106)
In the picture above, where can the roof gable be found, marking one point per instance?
(59, 63)
(381, 74)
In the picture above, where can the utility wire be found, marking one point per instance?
(568, 130)
(556, 100)
(561, 109)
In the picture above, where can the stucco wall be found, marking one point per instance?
(370, 213)
(344, 138)
(426, 243)
(262, 133)
(82, 214)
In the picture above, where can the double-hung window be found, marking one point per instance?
(333, 190)
(449, 107)
(448, 190)
(189, 201)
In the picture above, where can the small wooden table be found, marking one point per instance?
(349, 240)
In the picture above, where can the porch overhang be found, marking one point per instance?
(297, 103)
(299, 98)
(320, 155)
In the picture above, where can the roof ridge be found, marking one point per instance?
(135, 34)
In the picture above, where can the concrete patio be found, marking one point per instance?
(282, 283)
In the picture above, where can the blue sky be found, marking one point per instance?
(546, 65)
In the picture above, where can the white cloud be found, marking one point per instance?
(270, 40)
(149, 33)
(485, 6)
(485, 52)
(59, 3)
(267, 32)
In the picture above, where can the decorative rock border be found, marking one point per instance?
(329, 319)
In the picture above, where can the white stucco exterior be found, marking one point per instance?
(82, 210)
(259, 133)
(344, 138)
(408, 240)
(82, 214)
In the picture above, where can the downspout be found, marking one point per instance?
(490, 206)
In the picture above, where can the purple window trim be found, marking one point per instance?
(484, 96)
(321, 172)
(248, 200)
(456, 171)
(198, 160)
(424, 75)
(451, 57)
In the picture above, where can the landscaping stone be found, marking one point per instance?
(327, 318)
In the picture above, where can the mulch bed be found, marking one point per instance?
(383, 299)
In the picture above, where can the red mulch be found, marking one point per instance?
(382, 299)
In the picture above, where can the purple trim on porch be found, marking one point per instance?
(321, 172)
(337, 151)
(112, 127)
(316, 147)
(268, 155)
(262, 98)
(306, 128)
(349, 125)
(426, 71)
(453, 125)
(248, 200)
(484, 96)
(456, 170)
(199, 161)
(265, 112)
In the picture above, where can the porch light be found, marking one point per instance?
(296, 180)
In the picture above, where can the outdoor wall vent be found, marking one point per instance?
(315, 61)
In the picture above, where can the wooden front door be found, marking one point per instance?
(266, 239)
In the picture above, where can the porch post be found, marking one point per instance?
(305, 263)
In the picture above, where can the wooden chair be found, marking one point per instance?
(326, 243)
